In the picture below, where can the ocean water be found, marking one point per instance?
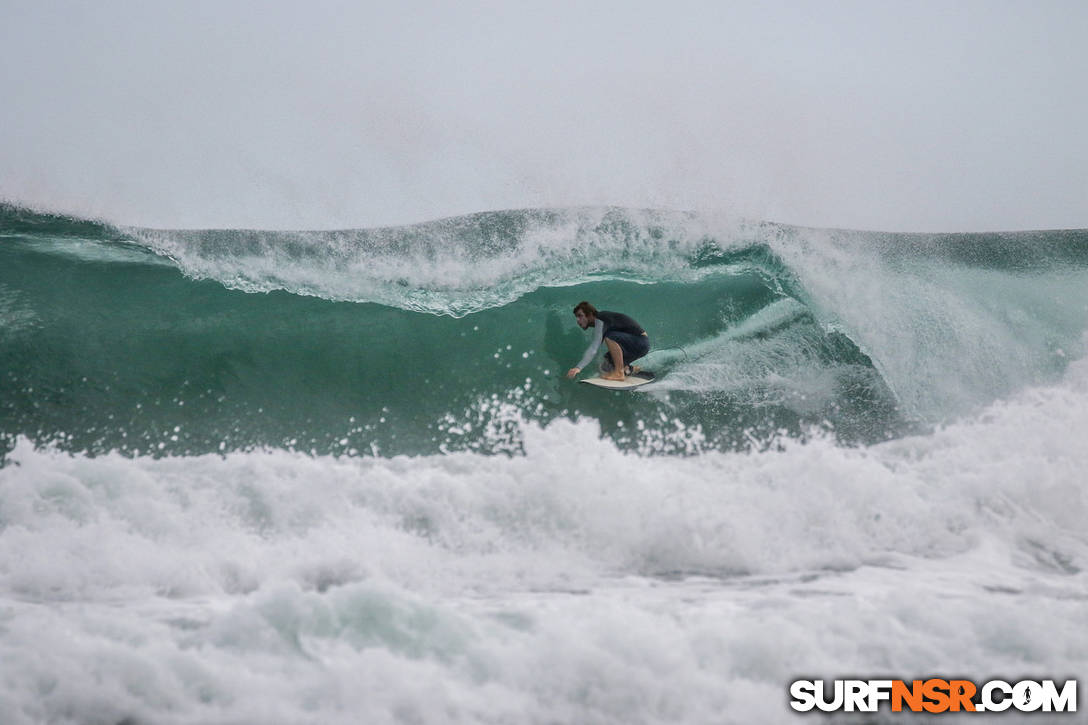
(338, 477)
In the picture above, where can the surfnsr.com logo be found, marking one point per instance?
(933, 695)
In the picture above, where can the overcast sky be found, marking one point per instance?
(883, 115)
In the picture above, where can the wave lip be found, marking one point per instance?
(453, 266)
(21, 220)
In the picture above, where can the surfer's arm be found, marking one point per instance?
(598, 336)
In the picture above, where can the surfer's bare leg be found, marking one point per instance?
(617, 360)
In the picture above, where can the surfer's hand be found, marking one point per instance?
(573, 372)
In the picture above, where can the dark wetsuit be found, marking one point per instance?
(621, 328)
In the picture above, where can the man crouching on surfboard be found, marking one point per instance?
(625, 338)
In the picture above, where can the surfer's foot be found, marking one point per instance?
(631, 369)
(613, 376)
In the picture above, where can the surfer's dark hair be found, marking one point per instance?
(587, 309)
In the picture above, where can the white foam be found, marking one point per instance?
(947, 338)
(575, 583)
(451, 266)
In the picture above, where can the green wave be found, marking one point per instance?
(450, 335)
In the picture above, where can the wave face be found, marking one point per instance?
(448, 335)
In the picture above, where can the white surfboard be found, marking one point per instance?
(631, 381)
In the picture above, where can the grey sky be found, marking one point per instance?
(891, 115)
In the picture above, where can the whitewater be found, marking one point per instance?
(337, 477)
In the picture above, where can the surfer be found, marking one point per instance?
(625, 338)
